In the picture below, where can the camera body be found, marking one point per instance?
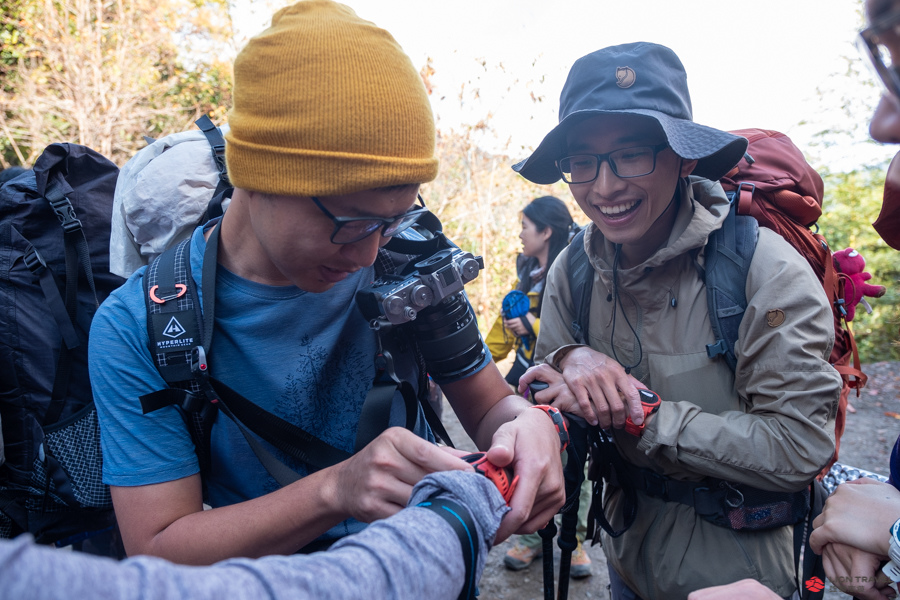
(430, 301)
(399, 299)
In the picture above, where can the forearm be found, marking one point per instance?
(281, 522)
(414, 554)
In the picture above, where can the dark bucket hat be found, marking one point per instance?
(642, 79)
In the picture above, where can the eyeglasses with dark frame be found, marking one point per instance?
(872, 47)
(348, 230)
(625, 163)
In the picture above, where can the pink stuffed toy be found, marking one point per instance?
(852, 265)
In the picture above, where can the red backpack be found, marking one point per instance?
(775, 185)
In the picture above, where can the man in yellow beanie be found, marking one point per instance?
(331, 134)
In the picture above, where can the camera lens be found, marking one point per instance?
(447, 335)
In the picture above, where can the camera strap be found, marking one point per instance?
(376, 411)
(433, 238)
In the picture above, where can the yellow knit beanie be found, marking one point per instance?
(326, 103)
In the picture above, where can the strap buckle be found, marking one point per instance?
(656, 485)
(65, 212)
(713, 350)
(34, 261)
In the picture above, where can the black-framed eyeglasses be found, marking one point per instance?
(625, 163)
(353, 229)
(871, 44)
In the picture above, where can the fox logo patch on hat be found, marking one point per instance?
(625, 77)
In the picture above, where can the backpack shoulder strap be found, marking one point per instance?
(581, 282)
(729, 251)
(217, 146)
(174, 319)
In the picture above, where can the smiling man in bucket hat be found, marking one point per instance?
(644, 173)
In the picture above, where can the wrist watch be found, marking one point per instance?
(558, 421)
(502, 477)
(892, 567)
(650, 402)
(894, 546)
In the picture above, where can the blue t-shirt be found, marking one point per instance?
(308, 358)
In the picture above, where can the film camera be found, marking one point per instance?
(430, 301)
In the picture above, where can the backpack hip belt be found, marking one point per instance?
(726, 504)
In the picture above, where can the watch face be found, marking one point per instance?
(650, 397)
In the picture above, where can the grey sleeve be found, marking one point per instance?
(413, 554)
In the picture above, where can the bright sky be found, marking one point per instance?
(749, 64)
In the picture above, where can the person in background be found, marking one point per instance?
(547, 227)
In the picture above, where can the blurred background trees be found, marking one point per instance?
(105, 73)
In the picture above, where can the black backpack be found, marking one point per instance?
(54, 272)
(55, 223)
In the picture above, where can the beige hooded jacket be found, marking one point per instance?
(770, 424)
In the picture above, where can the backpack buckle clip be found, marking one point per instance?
(714, 350)
(65, 212)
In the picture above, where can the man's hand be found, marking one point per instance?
(856, 572)
(859, 513)
(747, 589)
(377, 481)
(605, 394)
(530, 445)
(558, 394)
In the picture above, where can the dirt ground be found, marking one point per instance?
(866, 444)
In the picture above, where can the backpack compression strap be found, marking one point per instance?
(55, 190)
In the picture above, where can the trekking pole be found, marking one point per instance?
(547, 534)
(574, 477)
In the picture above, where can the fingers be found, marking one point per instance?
(515, 326)
(817, 539)
(633, 399)
(606, 394)
(382, 475)
(502, 444)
